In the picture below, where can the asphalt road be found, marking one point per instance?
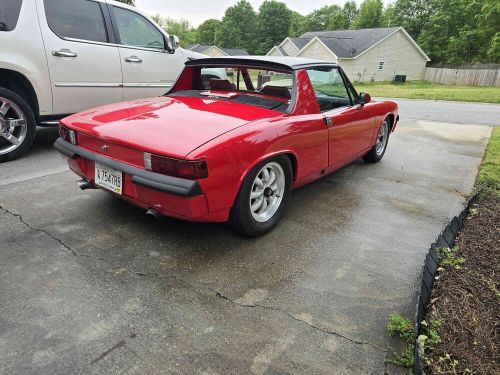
(88, 284)
(453, 112)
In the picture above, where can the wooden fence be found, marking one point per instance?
(464, 77)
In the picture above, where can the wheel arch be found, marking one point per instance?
(288, 153)
(392, 119)
(18, 83)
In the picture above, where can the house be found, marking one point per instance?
(214, 51)
(365, 54)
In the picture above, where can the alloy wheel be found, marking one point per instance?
(13, 126)
(382, 137)
(267, 192)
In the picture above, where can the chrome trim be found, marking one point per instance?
(87, 84)
(64, 53)
(48, 123)
(114, 45)
(133, 59)
(166, 85)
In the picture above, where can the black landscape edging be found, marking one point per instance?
(445, 239)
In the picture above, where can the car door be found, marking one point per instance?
(148, 68)
(84, 64)
(350, 128)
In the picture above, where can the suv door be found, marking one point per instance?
(148, 68)
(350, 127)
(84, 65)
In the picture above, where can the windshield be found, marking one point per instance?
(270, 89)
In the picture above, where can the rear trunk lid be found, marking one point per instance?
(170, 126)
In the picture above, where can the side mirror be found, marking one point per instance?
(173, 42)
(364, 98)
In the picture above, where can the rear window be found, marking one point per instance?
(9, 14)
(77, 19)
(265, 88)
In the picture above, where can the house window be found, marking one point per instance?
(381, 65)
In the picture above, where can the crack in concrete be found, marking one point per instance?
(21, 219)
(190, 284)
(292, 316)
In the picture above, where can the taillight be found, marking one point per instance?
(67, 134)
(191, 169)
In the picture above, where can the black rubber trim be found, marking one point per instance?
(168, 184)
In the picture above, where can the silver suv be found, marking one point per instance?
(59, 57)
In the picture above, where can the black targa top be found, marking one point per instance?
(287, 63)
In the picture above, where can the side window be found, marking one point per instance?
(137, 31)
(9, 14)
(329, 88)
(76, 19)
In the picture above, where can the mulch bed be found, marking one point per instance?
(467, 300)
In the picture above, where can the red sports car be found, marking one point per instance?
(230, 140)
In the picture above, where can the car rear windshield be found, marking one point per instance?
(9, 14)
(265, 88)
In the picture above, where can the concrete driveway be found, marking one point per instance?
(88, 284)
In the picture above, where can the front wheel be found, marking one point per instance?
(17, 125)
(263, 197)
(377, 152)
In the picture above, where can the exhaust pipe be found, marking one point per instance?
(153, 213)
(84, 185)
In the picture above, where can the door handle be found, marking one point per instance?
(64, 53)
(328, 121)
(133, 59)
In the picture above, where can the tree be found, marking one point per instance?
(389, 17)
(488, 22)
(207, 32)
(451, 34)
(412, 15)
(351, 12)
(272, 26)
(181, 28)
(297, 24)
(319, 20)
(238, 27)
(129, 2)
(370, 14)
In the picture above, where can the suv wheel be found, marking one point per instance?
(17, 125)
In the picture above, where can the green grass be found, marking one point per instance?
(404, 328)
(489, 172)
(431, 91)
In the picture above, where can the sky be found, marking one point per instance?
(197, 11)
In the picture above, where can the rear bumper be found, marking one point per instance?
(167, 184)
(170, 196)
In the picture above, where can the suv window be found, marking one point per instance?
(137, 31)
(76, 19)
(9, 14)
(329, 88)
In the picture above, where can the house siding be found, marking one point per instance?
(289, 48)
(214, 52)
(274, 52)
(399, 56)
(317, 50)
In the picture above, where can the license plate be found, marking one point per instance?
(108, 178)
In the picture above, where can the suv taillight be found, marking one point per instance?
(191, 169)
(67, 134)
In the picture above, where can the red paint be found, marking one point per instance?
(231, 137)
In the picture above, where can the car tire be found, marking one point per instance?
(250, 215)
(377, 152)
(17, 125)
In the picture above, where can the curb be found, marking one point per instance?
(432, 260)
